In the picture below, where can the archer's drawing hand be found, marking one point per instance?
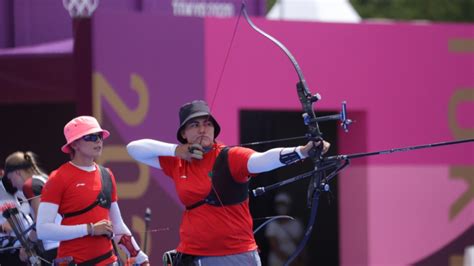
(189, 151)
(307, 148)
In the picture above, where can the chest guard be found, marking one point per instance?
(224, 190)
(104, 199)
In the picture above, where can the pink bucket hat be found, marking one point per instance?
(79, 127)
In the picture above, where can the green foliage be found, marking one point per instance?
(270, 4)
(433, 10)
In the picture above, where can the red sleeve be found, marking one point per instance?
(28, 188)
(238, 159)
(168, 163)
(53, 189)
(114, 186)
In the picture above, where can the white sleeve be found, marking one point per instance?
(47, 229)
(260, 162)
(147, 151)
(119, 227)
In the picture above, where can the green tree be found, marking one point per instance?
(432, 10)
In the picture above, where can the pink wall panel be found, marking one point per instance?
(404, 76)
(412, 85)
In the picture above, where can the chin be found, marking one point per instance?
(207, 144)
(203, 142)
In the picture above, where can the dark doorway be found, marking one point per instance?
(35, 127)
(258, 125)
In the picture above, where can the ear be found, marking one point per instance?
(182, 134)
(73, 145)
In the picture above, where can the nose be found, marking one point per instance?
(202, 127)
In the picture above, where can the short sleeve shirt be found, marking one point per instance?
(211, 230)
(74, 189)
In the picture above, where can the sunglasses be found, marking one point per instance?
(93, 137)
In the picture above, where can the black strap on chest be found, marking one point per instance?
(224, 190)
(104, 199)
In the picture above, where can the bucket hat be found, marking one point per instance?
(192, 110)
(79, 127)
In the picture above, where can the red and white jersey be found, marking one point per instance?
(32, 188)
(74, 189)
(209, 230)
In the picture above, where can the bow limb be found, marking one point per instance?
(13, 216)
(304, 94)
(277, 42)
(314, 134)
(271, 219)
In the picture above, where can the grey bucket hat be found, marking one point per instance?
(192, 110)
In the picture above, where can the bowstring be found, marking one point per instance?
(221, 75)
(211, 106)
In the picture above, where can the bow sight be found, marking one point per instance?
(342, 116)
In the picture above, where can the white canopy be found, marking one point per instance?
(315, 10)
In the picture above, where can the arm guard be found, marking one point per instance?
(289, 155)
(128, 244)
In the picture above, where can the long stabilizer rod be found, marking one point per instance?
(365, 154)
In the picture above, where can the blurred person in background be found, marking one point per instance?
(24, 174)
(283, 234)
(9, 244)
